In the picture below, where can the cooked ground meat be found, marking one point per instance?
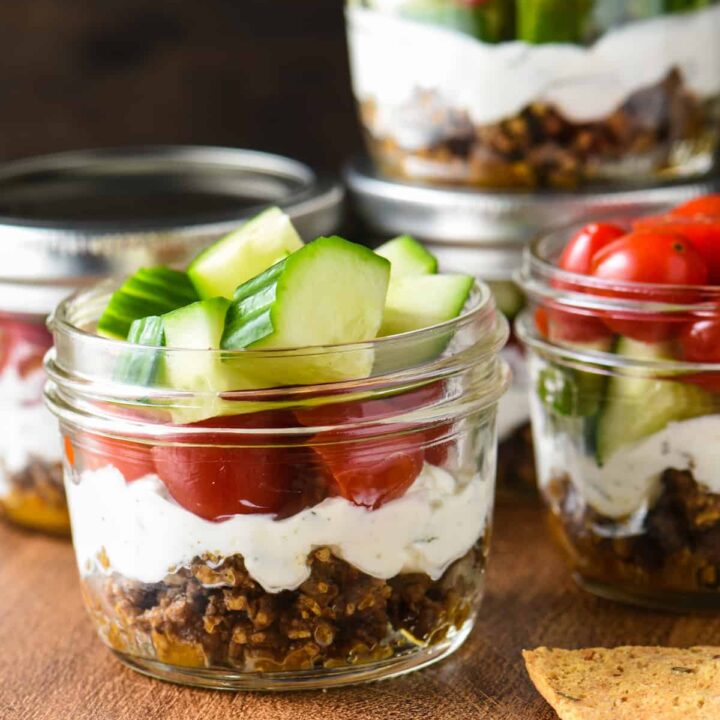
(677, 548)
(211, 615)
(540, 147)
(36, 497)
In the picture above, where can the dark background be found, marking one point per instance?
(265, 74)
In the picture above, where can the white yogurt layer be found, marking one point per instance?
(145, 534)
(392, 58)
(630, 479)
(28, 428)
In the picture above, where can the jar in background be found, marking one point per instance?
(626, 431)
(534, 94)
(347, 538)
(67, 220)
(484, 234)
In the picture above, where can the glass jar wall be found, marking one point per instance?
(537, 93)
(347, 538)
(627, 430)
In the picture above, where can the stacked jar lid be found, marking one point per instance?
(71, 219)
(490, 122)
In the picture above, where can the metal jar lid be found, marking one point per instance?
(72, 218)
(483, 232)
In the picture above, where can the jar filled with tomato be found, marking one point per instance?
(624, 341)
(278, 537)
(537, 93)
(68, 220)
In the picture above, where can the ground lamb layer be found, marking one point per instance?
(211, 615)
(677, 550)
(36, 497)
(539, 147)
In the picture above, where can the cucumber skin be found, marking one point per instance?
(141, 296)
(553, 21)
(142, 368)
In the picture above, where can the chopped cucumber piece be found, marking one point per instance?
(553, 21)
(141, 367)
(330, 292)
(245, 253)
(509, 298)
(199, 327)
(424, 300)
(637, 406)
(150, 291)
(407, 257)
(570, 392)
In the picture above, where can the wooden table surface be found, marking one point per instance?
(52, 667)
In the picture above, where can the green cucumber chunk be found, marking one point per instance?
(509, 298)
(570, 392)
(199, 327)
(331, 292)
(218, 270)
(424, 300)
(141, 367)
(150, 291)
(553, 21)
(638, 405)
(492, 21)
(407, 257)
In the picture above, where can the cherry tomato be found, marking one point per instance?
(708, 205)
(582, 247)
(575, 327)
(702, 232)
(88, 451)
(23, 345)
(371, 471)
(214, 478)
(700, 342)
(645, 257)
(542, 322)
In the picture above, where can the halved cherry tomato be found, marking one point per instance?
(700, 342)
(583, 246)
(369, 470)
(88, 451)
(645, 257)
(708, 205)
(215, 478)
(580, 327)
(702, 232)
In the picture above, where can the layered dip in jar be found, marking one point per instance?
(624, 341)
(280, 466)
(537, 93)
(484, 233)
(71, 219)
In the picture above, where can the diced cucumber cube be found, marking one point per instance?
(331, 292)
(407, 257)
(638, 405)
(416, 302)
(244, 254)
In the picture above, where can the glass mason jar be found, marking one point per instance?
(627, 432)
(537, 93)
(280, 538)
(70, 219)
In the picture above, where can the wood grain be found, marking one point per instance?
(52, 667)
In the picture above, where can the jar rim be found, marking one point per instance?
(541, 278)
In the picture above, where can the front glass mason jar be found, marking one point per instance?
(537, 93)
(31, 490)
(279, 538)
(626, 431)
